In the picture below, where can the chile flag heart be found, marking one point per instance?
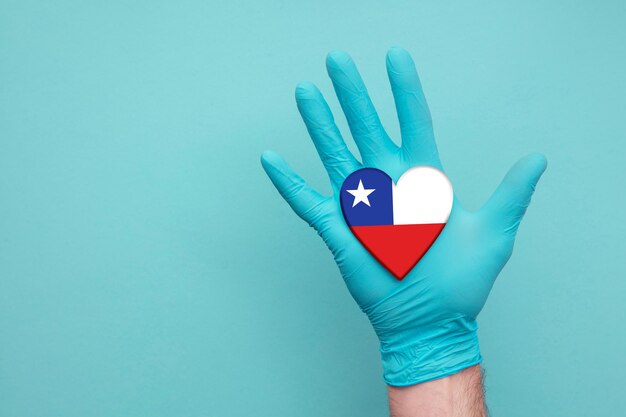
(397, 223)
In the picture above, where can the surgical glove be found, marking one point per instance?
(426, 323)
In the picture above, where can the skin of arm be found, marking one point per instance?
(458, 395)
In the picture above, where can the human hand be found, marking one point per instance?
(426, 323)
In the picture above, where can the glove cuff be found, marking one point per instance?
(445, 349)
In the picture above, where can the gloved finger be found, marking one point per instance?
(303, 199)
(418, 140)
(509, 202)
(319, 121)
(367, 131)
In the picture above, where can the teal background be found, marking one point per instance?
(149, 268)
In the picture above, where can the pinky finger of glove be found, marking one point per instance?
(303, 199)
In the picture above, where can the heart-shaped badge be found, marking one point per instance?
(397, 223)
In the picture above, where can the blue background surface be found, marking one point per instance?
(148, 267)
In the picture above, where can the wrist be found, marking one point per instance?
(458, 395)
(445, 348)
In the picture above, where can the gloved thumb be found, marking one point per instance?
(509, 202)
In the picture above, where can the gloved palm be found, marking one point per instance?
(426, 322)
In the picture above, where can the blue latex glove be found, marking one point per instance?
(426, 323)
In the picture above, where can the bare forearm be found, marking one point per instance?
(458, 395)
